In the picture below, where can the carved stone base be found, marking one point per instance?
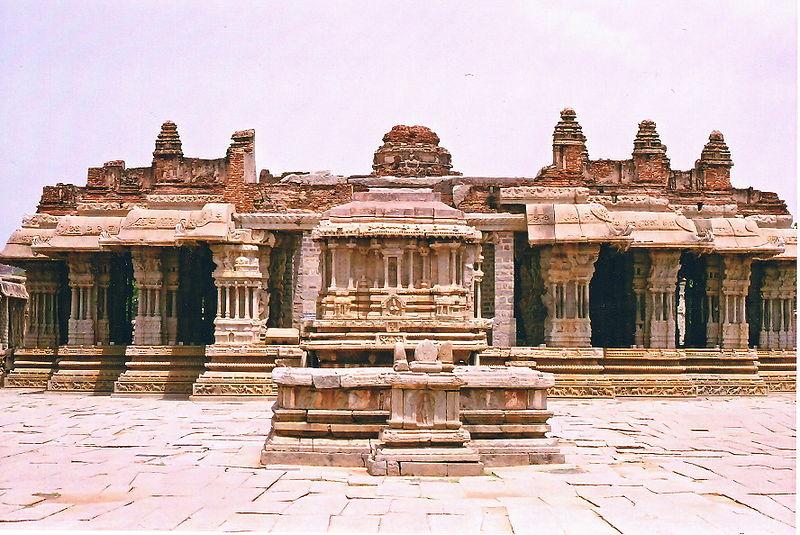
(32, 368)
(518, 452)
(674, 385)
(427, 461)
(281, 450)
(719, 385)
(780, 381)
(161, 370)
(244, 370)
(581, 386)
(88, 368)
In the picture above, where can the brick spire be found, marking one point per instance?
(569, 143)
(650, 159)
(715, 163)
(168, 142)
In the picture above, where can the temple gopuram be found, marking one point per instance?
(201, 276)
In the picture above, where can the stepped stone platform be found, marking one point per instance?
(598, 372)
(32, 368)
(244, 371)
(88, 368)
(161, 370)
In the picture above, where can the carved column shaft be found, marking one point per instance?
(147, 271)
(661, 284)
(81, 327)
(567, 271)
(240, 279)
(727, 282)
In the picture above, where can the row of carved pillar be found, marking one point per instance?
(568, 269)
(778, 306)
(241, 277)
(407, 264)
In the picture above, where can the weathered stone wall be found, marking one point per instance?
(308, 280)
(504, 329)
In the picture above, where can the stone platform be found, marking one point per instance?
(244, 371)
(88, 368)
(106, 463)
(598, 372)
(161, 370)
(32, 368)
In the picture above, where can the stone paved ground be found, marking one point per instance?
(636, 466)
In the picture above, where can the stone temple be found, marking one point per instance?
(206, 277)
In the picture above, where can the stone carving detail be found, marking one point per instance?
(567, 271)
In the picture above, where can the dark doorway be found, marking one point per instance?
(611, 302)
(197, 296)
(529, 310)
(63, 298)
(121, 300)
(691, 332)
(753, 303)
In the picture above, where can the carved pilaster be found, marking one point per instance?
(567, 271)
(713, 302)
(660, 304)
(641, 271)
(778, 305)
(83, 309)
(42, 325)
(727, 282)
(170, 267)
(102, 266)
(149, 281)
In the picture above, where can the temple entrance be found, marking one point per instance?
(197, 296)
(690, 296)
(528, 289)
(611, 300)
(63, 300)
(121, 300)
(753, 307)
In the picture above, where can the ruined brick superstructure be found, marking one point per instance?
(200, 276)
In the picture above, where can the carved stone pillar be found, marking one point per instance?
(713, 308)
(661, 284)
(778, 305)
(567, 271)
(102, 280)
(504, 328)
(170, 262)
(727, 282)
(239, 280)
(641, 271)
(83, 310)
(42, 326)
(149, 281)
(787, 275)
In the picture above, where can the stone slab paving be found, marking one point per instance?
(713, 465)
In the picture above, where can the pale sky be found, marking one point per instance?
(321, 82)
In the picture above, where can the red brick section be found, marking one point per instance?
(415, 151)
(650, 160)
(715, 163)
(412, 151)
